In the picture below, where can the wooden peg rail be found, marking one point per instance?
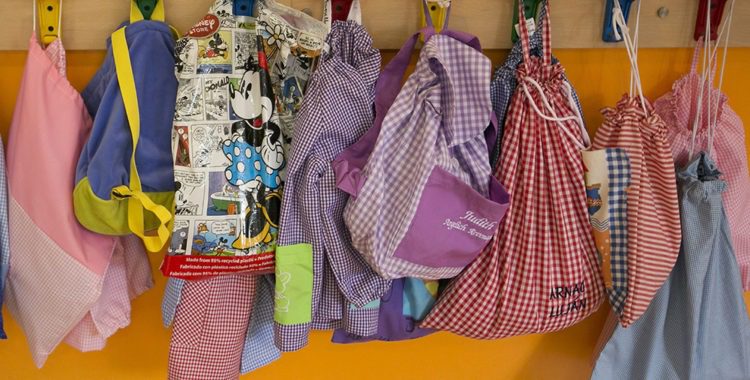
(575, 23)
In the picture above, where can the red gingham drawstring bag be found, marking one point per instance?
(540, 271)
(653, 216)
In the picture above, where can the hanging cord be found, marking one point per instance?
(635, 42)
(715, 115)
(618, 22)
(707, 76)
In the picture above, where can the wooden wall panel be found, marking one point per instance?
(575, 23)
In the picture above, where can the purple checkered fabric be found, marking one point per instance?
(312, 210)
(438, 118)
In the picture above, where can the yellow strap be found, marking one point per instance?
(136, 15)
(137, 200)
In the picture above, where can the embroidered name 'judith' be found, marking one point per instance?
(479, 222)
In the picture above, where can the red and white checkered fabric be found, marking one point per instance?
(678, 108)
(540, 272)
(654, 233)
(210, 327)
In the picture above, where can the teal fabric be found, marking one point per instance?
(418, 301)
(697, 325)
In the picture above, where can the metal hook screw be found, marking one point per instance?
(662, 12)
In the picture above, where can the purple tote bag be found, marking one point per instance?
(455, 208)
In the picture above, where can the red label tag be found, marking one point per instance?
(205, 28)
(196, 267)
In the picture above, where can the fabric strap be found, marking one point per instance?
(136, 198)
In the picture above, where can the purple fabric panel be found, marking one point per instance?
(451, 218)
(392, 324)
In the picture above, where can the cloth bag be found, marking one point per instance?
(653, 219)
(679, 109)
(65, 282)
(540, 272)
(230, 295)
(504, 82)
(313, 238)
(697, 325)
(436, 124)
(125, 167)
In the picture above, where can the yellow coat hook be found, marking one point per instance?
(49, 20)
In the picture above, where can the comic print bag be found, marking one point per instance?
(679, 109)
(396, 208)
(231, 133)
(540, 272)
(124, 181)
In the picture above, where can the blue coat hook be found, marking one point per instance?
(608, 32)
(243, 7)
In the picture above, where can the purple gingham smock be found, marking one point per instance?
(336, 112)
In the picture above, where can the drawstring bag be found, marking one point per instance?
(653, 219)
(504, 82)
(313, 237)
(124, 180)
(540, 272)
(424, 204)
(65, 283)
(679, 109)
(697, 325)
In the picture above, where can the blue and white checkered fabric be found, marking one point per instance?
(504, 82)
(4, 240)
(618, 166)
(697, 325)
(259, 349)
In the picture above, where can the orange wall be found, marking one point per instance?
(140, 352)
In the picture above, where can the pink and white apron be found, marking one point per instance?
(65, 282)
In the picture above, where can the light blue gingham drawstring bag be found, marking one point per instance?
(697, 325)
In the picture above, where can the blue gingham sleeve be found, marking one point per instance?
(4, 238)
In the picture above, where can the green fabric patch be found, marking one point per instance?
(294, 284)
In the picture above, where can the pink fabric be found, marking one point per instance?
(50, 124)
(678, 108)
(64, 282)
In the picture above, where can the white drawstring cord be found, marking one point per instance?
(635, 42)
(571, 101)
(618, 21)
(715, 115)
(707, 76)
(704, 79)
